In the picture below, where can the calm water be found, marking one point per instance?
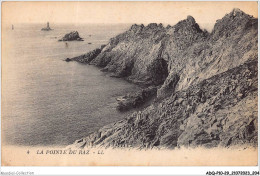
(46, 101)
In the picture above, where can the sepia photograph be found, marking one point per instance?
(129, 83)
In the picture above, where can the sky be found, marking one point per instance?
(205, 13)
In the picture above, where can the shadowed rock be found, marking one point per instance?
(87, 58)
(72, 36)
(135, 100)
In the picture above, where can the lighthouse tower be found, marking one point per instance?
(47, 27)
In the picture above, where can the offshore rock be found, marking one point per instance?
(47, 28)
(72, 36)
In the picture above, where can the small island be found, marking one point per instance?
(47, 28)
(72, 36)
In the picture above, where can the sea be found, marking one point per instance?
(47, 101)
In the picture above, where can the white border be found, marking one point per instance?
(112, 170)
(115, 170)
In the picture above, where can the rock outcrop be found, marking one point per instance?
(137, 99)
(74, 35)
(68, 60)
(88, 57)
(220, 111)
(232, 42)
(207, 83)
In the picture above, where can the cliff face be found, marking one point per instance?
(207, 83)
(220, 111)
(135, 54)
(232, 42)
(182, 54)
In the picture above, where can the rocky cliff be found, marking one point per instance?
(207, 83)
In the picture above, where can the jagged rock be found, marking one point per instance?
(231, 120)
(151, 54)
(134, 100)
(207, 83)
(87, 58)
(74, 35)
(169, 85)
(134, 56)
(68, 60)
(195, 55)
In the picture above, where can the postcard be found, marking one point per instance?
(129, 83)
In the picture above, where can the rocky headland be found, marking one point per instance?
(205, 84)
(72, 36)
